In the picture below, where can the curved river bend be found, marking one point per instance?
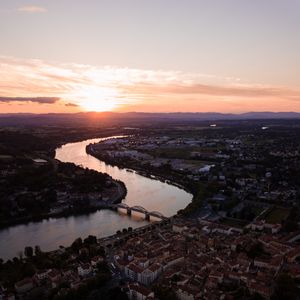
(49, 234)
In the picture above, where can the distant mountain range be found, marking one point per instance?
(90, 117)
(207, 115)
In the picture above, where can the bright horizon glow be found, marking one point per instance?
(96, 99)
(55, 87)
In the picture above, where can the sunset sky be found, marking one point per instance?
(149, 55)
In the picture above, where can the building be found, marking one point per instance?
(24, 285)
(84, 270)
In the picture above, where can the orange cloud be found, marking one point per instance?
(245, 91)
(71, 104)
(89, 87)
(32, 9)
(41, 100)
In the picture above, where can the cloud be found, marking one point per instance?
(89, 87)
(245, 91)
(32, 9)
(69, 104)
(40, 100)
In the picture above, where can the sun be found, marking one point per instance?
(97, 105)
(97, 99)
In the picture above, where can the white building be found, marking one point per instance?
(84, 270)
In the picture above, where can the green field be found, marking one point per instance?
(174, 152)
(276, 215)
(234, 222)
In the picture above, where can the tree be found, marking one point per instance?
(164, 293)
(20, 254)
(37, 250)
(101, 251)
(117, 294)
(255, 250)
(28, 270)
(91, 239)
(76, 244)
(28, 251)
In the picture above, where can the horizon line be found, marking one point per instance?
(143, 112)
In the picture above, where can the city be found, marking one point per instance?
(238, 237)
(149, 150)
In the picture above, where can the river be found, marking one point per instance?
(49, 234)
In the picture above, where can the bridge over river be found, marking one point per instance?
(139, 209)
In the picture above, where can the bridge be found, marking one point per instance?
(138, 209)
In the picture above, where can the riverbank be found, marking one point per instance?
(116, 198)
(151, 173)
(36, 189)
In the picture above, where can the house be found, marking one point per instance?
(42, 274)
(150, 274)
(84, 270)
(261, 263)
(39, 161)
(132, 271)
(188, 292)
(261, 289)
(219, 198)
(293, 254)
(217, 275)
(146, 277)
(9, 296)
(138, 292)
(96, 259)
(294, 271)
(172, 260)
(275, 228)
(143, 263)
(55, 277)
(24, 285)
(256, 225)
(179, 228)
(143, 275)
(121, 263)
(276, 262)
(84, 251)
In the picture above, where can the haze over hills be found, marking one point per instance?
(53, 118)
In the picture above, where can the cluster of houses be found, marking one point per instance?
(59, 196)
(140, 148)
(51, 278)
(241, 165)
(205, 260)
(195, 259)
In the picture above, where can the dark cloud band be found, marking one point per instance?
(71, 104)
(41, 100)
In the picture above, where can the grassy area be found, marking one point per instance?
(276, 215)
(257, 210)
(181, 152)
(234, 222)
(196, 163)
(166, 152)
